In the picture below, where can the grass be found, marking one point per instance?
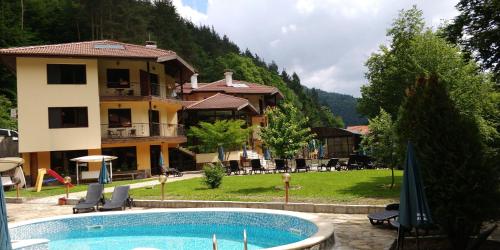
(353, 187)
(60, 190)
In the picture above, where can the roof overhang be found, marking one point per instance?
(163, 59)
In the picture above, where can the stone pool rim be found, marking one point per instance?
(323, 235)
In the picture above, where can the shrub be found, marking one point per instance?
(213, 175)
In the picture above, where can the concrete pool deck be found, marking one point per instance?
(352, 231)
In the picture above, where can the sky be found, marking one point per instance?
(326, 42)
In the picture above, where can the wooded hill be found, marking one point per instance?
(133, 21)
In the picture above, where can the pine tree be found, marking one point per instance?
(459, 175)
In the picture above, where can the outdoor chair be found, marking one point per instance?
(120, 199)
(234, 167)
(332, 163)
(92, 200)
(256, 166)
(300, 164)
(280, 165)
(174, 172)
(7, 183)
(391, 212)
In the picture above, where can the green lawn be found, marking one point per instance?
(59, 189)
(353, 187)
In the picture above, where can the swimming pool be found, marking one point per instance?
(173, 229)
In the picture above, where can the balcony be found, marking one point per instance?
(143, 132)
(136, 91)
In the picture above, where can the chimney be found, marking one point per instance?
(194, 81)
(151, 44)
(229, 78)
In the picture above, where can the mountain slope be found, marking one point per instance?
(342, 105)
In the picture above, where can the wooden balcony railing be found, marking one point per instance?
(135, 130)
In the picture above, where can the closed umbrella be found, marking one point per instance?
(267, 154)
(103, 174)
(221, 153)
(245, 154)
(321, 152)
(413, 209)
(162, 164)
(4, 229)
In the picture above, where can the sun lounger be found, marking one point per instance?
(332, 163)
(93, 199)
(256, 166)
(280, 165)
(234, 167)
(300, 164)
(120, 199)
(390, 213)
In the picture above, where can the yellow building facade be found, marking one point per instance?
(97, 97)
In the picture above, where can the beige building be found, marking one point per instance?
(97, 97)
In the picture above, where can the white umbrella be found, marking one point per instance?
(9, 163)
(94, 158)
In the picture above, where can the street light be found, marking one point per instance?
(162, 179)
(286, 177)
(67, 182)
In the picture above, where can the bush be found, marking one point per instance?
(213, 175)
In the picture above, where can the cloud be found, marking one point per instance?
(326, 42)
(189, 12)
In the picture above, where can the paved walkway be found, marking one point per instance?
(78, 195)
(352, 231)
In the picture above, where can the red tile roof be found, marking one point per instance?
(360, 129)
(100, 48)
(239, 88)
(221, 101)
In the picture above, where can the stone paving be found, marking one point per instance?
(78, 195)
(352, 231)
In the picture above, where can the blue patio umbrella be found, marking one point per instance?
(413, 209)
(221, 153)
(267, 154)
(321, 152)
(103, 174)
(4, 229)
(162, 163)
(245, 154)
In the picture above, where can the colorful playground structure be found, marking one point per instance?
(42, 172)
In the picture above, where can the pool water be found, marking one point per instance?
(172, 237)
(167, 230)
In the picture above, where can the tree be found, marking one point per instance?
(230, 134)
(5, 120)
(477, 29)
(287, 131)
(415, 53)
(381, 142)
(459, 175)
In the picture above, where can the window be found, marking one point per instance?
(74, 117)
(66, 74)
(118, 78)
(119, 118)
(127, 158)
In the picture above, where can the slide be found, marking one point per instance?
(42, 172)
(57, 176)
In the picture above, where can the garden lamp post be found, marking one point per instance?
(286, 177)
(67, 181)
(162, 179)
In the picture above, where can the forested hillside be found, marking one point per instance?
(133, 21)
(344, 106)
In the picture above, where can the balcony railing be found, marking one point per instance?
(135, 89)
(136, 130)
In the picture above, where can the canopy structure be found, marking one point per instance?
(93, 158)
(9, 163)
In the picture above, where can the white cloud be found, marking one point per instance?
(288, 28)
(326, 42)
(189, 13)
